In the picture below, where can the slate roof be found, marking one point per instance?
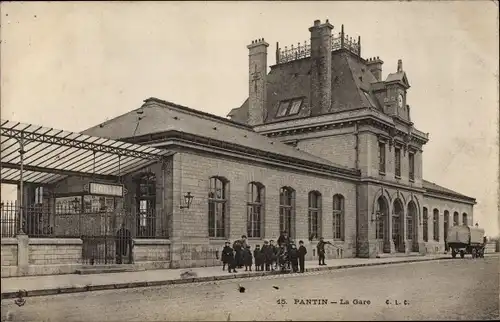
(398, 77)
(351, 79)
(161, 116)
(432, 187)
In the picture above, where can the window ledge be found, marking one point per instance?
(412, 180)
(397, 177)
(382, 173)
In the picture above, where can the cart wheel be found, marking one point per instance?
(453, 253)
(462, 254)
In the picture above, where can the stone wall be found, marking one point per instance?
(191, 172)
(23, 256)
(436, 244)
(151, 253)
(9, 252)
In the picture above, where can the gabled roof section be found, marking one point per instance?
(432, 187)
(399, 77)
(158, 116)
(351, 87)
(239, 114)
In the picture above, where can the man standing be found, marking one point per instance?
(321, 250)
(302, 256)
(123, 244)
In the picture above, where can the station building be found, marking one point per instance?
(323, 146)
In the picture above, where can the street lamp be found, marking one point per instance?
(188, 198)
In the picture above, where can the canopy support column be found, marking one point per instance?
(21, 184)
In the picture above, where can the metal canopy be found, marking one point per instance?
(48, 155)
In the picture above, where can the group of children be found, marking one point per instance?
(266, 258)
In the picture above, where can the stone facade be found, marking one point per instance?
(191, 173)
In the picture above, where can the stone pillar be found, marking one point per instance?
(22, 254)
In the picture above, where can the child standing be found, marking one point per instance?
(227, 256)
(247, 258)
(259, 258)
(294, 258)
(302, 256)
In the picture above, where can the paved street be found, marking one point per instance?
(444, 289)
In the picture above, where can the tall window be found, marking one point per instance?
(382, 217)
(411, 158)
(381, 157)
(314, 215)
(338, 217)
(436, 224)
(464, 219)
(425, 225)
(397, 161)
(409, 223)
(146, 205)
(287, 210)
(217, 207)
(38, 195)
(455, 218)
(255, 208)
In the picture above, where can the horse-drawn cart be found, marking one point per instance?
(465, 239)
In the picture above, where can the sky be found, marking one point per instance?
(71, 65)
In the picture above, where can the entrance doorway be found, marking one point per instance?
(412, 226)
(397, 226)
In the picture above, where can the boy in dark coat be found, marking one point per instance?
(238, 253)
(247, 258)
(258, 257)
(294, 257)
(227, 256)
(268, 253)
(302, 256)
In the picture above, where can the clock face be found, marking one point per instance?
(400, 100)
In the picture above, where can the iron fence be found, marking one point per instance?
(64, 221)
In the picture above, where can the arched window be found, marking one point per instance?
(435, 217)
(425, 225)
(217, 207)
(464, 219)
(255, 209)
(146, 205)
(382, 212)
(314, 215)
(338, 217)
(455, 218)
(409, 223)
(287, 211)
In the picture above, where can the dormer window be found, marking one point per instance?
(289, 107)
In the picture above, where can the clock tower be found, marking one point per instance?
(397, 86)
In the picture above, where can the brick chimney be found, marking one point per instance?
(375, 66)
(321, 67)
(257, 90)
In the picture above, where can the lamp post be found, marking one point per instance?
(188, 198)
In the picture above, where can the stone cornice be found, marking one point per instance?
(449, 196)
(245, 152)
(391, 184)
(179, 144)
(369, 117)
